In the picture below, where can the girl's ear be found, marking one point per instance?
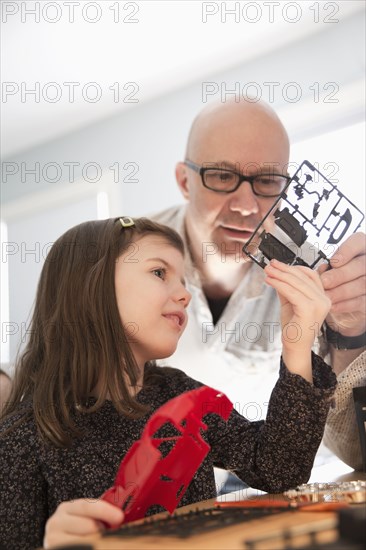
(182, 179)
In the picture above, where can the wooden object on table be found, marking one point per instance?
(266, 532)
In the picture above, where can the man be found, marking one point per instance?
(232, 341)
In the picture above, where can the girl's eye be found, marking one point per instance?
(160, 272)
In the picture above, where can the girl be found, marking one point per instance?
(111, 299)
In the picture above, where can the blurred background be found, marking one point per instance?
(98, 97)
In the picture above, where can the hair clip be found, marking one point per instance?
(126, 221)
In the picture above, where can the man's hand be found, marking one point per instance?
(345, 285)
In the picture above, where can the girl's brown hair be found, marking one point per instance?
(76, 338)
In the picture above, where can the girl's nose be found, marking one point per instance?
(183, 296)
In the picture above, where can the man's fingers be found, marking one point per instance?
(353, 305)
(354, 246)
(349, 272)
(348, 291)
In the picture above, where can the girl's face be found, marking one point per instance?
(151, 297)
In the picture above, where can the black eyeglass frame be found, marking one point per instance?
(250, 179)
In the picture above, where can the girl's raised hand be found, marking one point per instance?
(304, 307)
(78, 520)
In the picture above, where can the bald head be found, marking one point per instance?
(240, 124)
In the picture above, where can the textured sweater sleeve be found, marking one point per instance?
(278, 453)
(341, 432)
(23, 490)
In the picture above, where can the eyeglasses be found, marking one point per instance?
(228, 181)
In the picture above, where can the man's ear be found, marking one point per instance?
(182, 179)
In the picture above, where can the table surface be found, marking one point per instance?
(262, 533)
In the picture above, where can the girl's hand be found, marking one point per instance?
(304, 307)
(76, 521)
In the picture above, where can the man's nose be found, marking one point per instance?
(243, 200)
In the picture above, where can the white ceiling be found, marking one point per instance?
(167, 47)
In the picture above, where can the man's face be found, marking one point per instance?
(228, 220)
